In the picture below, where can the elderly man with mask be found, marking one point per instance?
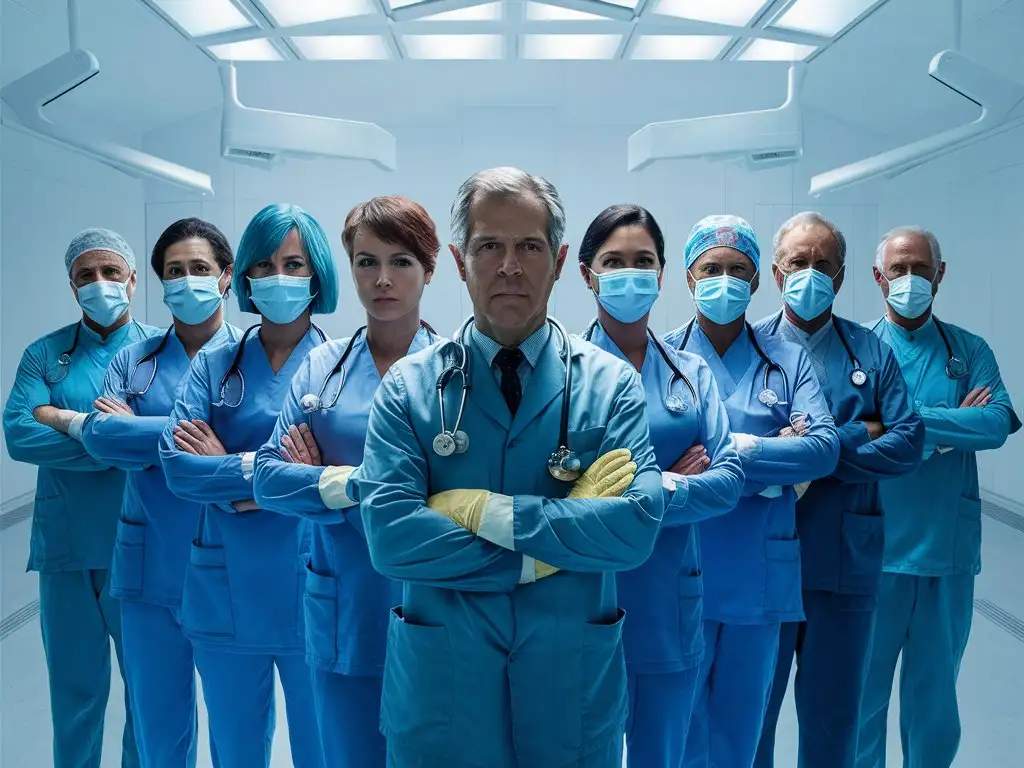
(839, 517)
(933, 515)
(78, 499)
(507, 649)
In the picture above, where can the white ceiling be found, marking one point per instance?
(874, 76)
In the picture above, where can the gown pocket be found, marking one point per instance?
(320, 606)
(967, 544)
(127, 573)
(861, 558)
(782, 579)
(206, 600)
(691, 627)
(604, 695)
(419, 686)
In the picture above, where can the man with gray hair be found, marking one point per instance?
(506, 508)
(838, 518)
(78, 500)
(932, 515)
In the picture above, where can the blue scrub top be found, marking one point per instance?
(480, 668)
(78, 499)
(839, 517)
(246, 571)
(662, 597)
(156, 527)
(752, 555)
(347, 601)
(933, 515)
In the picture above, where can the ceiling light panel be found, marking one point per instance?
(485, 12)
(736, 13)
(204, 17)
(544, 12)
(679, 47)
(819, 18)
(342, 47)
(290, 13)
(773, 50)
(631, 4)
(402, 3)
(569, 46)
(249, 50)
(454, 46)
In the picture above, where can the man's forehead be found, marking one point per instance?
(906, 247)
(96, 260)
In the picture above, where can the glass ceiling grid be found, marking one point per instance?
(660, 30)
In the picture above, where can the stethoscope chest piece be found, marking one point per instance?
(461, 441)
(768, 397)
(675, 404)
(956, 368)
(564, 465)
(858, 378)
(444, 444)
(310, 403)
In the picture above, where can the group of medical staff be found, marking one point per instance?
(514, 546)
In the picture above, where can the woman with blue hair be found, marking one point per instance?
(785, 436)
(242, 600)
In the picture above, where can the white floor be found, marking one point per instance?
(992, 707)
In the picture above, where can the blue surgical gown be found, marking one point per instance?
(752, 555)
(347, 601)
(78, 499)
(482, 670)
(663, 596)
(245, 576)
(156, 527)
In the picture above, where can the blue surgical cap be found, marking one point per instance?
(97, 239)
(717, 231)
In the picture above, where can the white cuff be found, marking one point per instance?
(746, 445)
(248, 460)
(771, 492)
(669, 480)
(76, 426)
(333, 487)
(497, 523)
(529, 573)
(943, 448)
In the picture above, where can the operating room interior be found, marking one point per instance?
(444, 88)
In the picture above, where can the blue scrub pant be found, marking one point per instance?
(79, 618)
(348, 711)
(732, 694)
(831, 649)
(161, 676)
(398, 757)
(928, 620)
(238, 689)
(660, 706)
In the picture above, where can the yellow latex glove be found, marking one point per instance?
(542, 570)
(462, 507)
(801, 489)
(609, 476)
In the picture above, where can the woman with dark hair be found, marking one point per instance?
(305, 468)
(622, 259)
(193, 260)
(242, 602)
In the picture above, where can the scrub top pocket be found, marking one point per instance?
(127, 572)
(206, 601)
(783, 592)
(861, 558)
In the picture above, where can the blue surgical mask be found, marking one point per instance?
(281, 298)
(627, 294)
(193, 300)
(910, 295)
(721, 299)
(808, 292)
(104, 301)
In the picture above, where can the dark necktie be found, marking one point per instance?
(508, 362)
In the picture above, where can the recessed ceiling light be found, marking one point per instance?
(775, 50)
(248, 50)
(819, 18)
(204, 17)
(569, 46)
(485, 12)
(454, 46)
(290, 13)
(679, 47)
(736, 13)
(342, 47)
(544, 12)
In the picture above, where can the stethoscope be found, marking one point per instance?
(563, 464)
(768, 397)
(955, 367)
(673, 402)
(128, 391)
(64, 360)
(858, 376)
(311, 403)
(235, 369)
